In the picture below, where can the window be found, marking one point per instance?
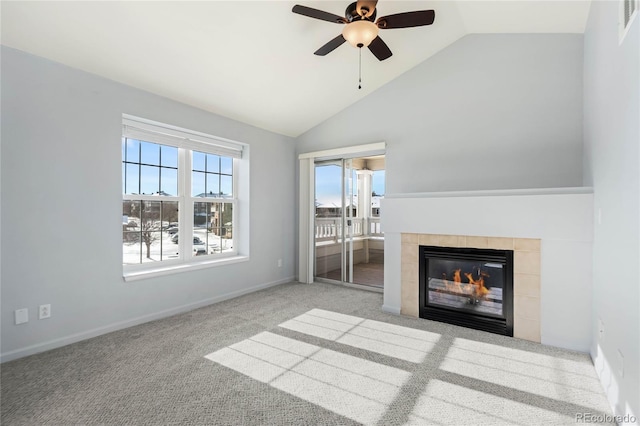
(179, 183)
(628, 11)
(630, 6)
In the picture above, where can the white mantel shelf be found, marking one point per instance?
(495, 192)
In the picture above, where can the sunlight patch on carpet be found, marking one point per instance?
(450, 404)
(356, 388)
(399, 342)
(537, 374)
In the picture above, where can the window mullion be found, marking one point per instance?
(186, 208)
(140, 168)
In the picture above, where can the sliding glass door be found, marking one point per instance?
(349, 245)
(334, 220)
(340, 229)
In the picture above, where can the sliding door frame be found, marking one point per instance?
(306, 208)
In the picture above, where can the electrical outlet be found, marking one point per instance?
(600, 328)
(44, 311)
(279, 263)
(21, 315)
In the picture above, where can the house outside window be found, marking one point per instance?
(180, 197)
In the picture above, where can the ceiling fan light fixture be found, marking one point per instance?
(360, 33)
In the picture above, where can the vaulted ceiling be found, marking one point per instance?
(253, 60)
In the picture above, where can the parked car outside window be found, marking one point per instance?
(196, 239)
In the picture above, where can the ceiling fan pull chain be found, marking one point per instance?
(360, 69)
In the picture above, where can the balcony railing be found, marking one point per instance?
(330, 228)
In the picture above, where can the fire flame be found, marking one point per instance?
(474, 288)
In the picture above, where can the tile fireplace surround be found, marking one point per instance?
(549, 230)
(526, 275)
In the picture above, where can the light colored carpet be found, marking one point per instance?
(300, 354)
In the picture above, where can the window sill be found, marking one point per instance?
(185, 267)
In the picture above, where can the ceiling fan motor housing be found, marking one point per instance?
(351, 13)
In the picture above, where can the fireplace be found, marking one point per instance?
(468, 287)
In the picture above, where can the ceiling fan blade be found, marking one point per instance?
(365, 8)
(407, 19)
(329, 47)
(380, 49)
(318, 14)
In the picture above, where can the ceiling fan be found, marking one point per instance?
(361, 28)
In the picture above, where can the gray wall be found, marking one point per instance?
(61, 207)
(612, 164)
(488, 112)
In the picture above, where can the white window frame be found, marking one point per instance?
(188, 141)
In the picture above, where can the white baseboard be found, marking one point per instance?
(73, 338)
(391, 309)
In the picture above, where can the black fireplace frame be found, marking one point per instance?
(490, 323)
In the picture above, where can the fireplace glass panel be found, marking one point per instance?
(473, 286)
(468, 287)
